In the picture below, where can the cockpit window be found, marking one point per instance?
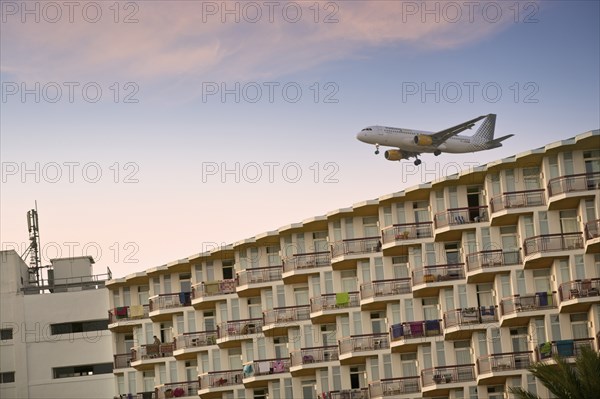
(367, 129)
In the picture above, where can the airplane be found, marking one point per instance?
(411, 143)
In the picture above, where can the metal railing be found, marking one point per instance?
(334, 301)
(518, 199)
(552, 242)
(122, 360)
(381, 288)
(573, 183)
(267, 366)
(353, 246)
(563, 348)
(307, 261)
(257, 275)
(170, 301)
(286, 314)
(212, 288)
(579, 289)
(394, 386)
(236, 328)
(318, 354)
(356, 393)
(523, 303)
(177, 389)
(492, 258)
(407, 231)
(415, 329)
(364, 342)
(195, 339)
(124, 313)
(218, 379)
(458, 216)
(504, 362)
(592, 229)
(437, 273)
(92, 282)
(466, 316)
(448, 374)
(151, 351)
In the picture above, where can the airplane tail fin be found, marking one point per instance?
(497, 142)
(485, 133)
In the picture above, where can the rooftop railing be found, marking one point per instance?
(518, 199)
(523, 303)
(170, 301)
(382, 288)
(448, 374)
(195, 339)
(407, 231)
(394, 386)
(437, 273)
(286, 314)
(573, 183)
(340, 300)
(492, 258)
(124, 313)
(504, 362)
(552, 242)
(307, 261)
(364, 342)
(314, 355)
(93, 282)
(212, 288)
(257, 275)
(353, 246)
(458, 216)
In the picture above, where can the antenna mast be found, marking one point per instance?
(35, 263)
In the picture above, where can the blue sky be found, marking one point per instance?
(163, 204)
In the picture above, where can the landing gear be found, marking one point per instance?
(437, 152)
(376, 149)
(417, 162)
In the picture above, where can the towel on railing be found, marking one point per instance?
(211, 287)
(248, 370)
(432, 325)
(227, 286)
(546, 350)
(487, 311)
(136, 311)
(278, 366)
(565, 347)
(397, 330)
(264, 368)
(121, 312)
(543, 298)
(342, 298)
(416, 328)
(184, 298)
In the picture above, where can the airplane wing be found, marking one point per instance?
(439, 137)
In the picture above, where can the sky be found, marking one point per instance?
(149, 131)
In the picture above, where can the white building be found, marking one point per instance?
(55, 342)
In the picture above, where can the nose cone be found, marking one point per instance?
(361, 136)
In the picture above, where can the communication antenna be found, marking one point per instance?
(35, 263)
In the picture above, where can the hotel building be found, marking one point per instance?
(449, 289)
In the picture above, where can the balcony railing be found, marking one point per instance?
(394, 386)
(492, 258)
(572, 183)
(518, 199)
(340, 300)
(195, 339)
(466, 316)
(407, 231)
(523, 303)
(124, 313)
(592, 229)
(257, 275)
(364, 342)
(286, 314)
(563, 348)
(151, 351)
(267, 366)
(579, 289)
(218, 379)
(177, 389)
(458, 216)
(139, 395)
(314, 355)
(170, 301)
(354, 246)
(357, 393)
(415, 329)
(381, 288)
(307, 261)
(235, 328)
(212, 288)
(432, 274)
(122, 360)
(553, 242)
(448, 374)
(504, 362)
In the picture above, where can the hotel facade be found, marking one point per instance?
(449, 289)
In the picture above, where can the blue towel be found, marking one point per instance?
(396, 330)
(543, 297)
(565, 347)
(432, 325)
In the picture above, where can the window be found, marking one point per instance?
(143, 292)
(579, 325)
(7, 377)
(463, 352)
(531, 178)
(320, 241)
(6, 334)
(273, 255)
(281, 347)
(80, 371)
(78, 327)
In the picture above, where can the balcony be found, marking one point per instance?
(506, 208)
(450, 224)
(406, 337)
(592, 237)
(376, 294)
(357, 393)
(483, 266)
(578, 295)
(187, 345)
(306, 360)
(325, 308)
(405, 234)
(144, 357)
(205, 294)
(184, 389)
(568, 349)
(394, 387)
(494, 369)
(214, 383)
(518, 309)
(460, 323)
(358, 347)
(428, 280)
(297, 268)
(123, 318)
(278, 320)
(139, 395)
(565, 192)
(345, 253)
(251, 281)
(260, 372)
(122, 360)
(231, 333)
(540, 251)
(163, 306)
(439, 380)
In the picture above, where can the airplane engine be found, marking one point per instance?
(394, 155)
(423, 140)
